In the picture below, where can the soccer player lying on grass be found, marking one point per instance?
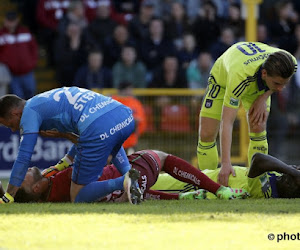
(148, 162)
(267, 177)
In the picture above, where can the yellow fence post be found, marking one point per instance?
(251, 22)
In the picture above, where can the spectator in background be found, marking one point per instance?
(169, 75)
(235, 22)
(206, 26)
(177, 24)
(163, 8)
(283, 26)
(113, 45)
(221, 45)
(123, 11)
(93, 74)
(48, 14)
(189, 50)
(278, 125)
(5, 78)
(198, 71)
(294, 45)
(91, 7)
(70, 53)
(125, 96)
(128, 69)
(74, 14)
(154, 49)
(139, 25)
(19, 52)
(102, 26)
(293, 102)
(262, 33)
(192, 8)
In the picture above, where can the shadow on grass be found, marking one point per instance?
(263, 206)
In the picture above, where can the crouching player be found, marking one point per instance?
(148, 162)
(267, 177)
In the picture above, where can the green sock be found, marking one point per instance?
(207, 154)
(258, 144)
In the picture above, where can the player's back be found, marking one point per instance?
(65, 109)
(240, 61)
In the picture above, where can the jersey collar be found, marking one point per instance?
(260, 83)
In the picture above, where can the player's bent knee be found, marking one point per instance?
(257, 128)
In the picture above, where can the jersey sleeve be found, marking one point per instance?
(22, 162)
(30, 122)
(234, 92)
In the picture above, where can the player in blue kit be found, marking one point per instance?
(101, 124)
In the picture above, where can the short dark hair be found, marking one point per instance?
(7, 102)
(287, 187)
(24, 197)
(280, 64)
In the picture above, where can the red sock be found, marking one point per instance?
(159, 195)
(183, 171)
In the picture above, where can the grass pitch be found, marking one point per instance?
(206, 224)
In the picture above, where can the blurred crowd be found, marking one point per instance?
(147, 43)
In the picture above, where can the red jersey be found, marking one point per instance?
(146, 162)
(49, 12)
(18, 50)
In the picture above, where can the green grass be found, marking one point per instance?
(207, 224)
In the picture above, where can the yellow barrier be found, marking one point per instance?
(173, 118)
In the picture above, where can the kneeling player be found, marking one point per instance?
(149, 163)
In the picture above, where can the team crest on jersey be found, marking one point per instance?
(234, 102)
(208, 103)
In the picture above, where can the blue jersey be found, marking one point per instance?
(64, 109)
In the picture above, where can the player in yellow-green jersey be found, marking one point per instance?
(247, 73)
(267, 177)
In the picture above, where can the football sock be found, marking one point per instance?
(207, 154)
(98, 189)
(159, 195)
(258, 144)
(183, 171)
(121, 161)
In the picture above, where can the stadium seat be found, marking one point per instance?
(150, 119)
(175, 118)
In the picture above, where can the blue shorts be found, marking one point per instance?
(102, 138)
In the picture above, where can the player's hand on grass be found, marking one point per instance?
(61, 165)
(6, 198)
(225, 171)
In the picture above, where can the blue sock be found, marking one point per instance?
(98, 189)
(121, 161)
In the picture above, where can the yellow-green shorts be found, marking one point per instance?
(212, 105)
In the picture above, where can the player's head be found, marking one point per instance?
(11, 107)
(287, 186)
(277, 70)
(30, 189)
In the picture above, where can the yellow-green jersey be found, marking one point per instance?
(262, 186)
(236, 78)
